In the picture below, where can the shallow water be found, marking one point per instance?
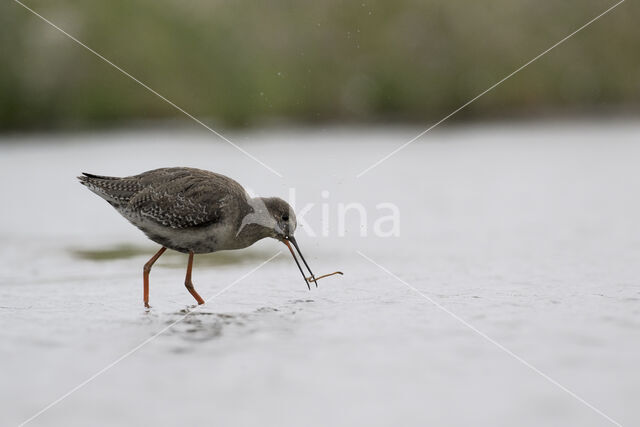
(527, 232)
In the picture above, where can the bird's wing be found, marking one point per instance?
(185, 198)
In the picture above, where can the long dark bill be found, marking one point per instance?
(313, 277)
(286, 242)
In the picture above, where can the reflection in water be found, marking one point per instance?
(202, 326)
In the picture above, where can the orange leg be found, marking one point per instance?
(189, 284)
(145, 275)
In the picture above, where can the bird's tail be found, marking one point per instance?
(113, 189)
(86, 176)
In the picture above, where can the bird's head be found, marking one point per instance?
(283, 227)
(283, 217)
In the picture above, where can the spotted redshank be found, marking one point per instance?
(196, 211)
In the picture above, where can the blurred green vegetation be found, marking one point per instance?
(171, 259)
(239, 62)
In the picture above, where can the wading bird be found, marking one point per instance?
(196, 211)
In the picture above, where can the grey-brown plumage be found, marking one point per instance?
(194, 211)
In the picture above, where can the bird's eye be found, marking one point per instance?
(285, 217)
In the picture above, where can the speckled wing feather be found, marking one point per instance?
(183, 197)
